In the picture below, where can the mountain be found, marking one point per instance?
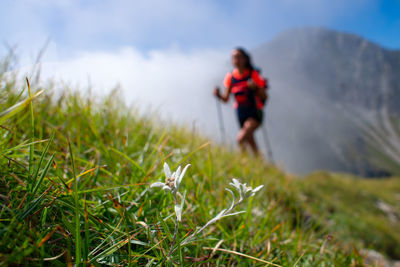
(334, 102)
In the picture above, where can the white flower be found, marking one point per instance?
(236, 184)
(178, 212)
(244, 190)
(172, 180)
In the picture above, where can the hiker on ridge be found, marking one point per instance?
(249, 90)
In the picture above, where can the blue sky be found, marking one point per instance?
(379, 22)
(157, 24)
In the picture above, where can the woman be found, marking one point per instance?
(249, 89)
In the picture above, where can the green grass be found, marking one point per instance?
(75, 174)
(350, 205)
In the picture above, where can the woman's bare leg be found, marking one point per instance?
(251, 125)
(253, 144)
(246, 135)
(241, 139)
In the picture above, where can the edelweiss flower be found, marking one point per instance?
(172, 180)
(244, 190)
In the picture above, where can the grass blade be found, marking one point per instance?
(134, 163)
(13, 110)
(41, 158)
(78, 244)
(46, 168)
(32, 147)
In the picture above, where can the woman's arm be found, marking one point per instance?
(223, 97)
(262, 92)
(259, 85)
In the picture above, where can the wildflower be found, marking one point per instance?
(244, 190)
(172, 180)
(244, 193)
(172, 184)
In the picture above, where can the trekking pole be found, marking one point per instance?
(220, 120)
(267, 144)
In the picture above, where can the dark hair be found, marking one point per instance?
(249, 64)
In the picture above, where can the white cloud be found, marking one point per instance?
(177, 83)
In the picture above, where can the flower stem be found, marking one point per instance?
(171, 250)
(188, 239)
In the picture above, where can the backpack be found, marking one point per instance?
(248, 97)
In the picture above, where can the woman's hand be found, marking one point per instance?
(251, 84)
(262, 93)
(224, 97)
(217, 92)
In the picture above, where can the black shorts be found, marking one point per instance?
(244, 113)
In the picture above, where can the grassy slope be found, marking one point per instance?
(109, 215)
(351, 206)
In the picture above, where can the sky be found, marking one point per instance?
(158, 24)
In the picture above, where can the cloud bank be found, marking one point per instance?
(176, 83)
